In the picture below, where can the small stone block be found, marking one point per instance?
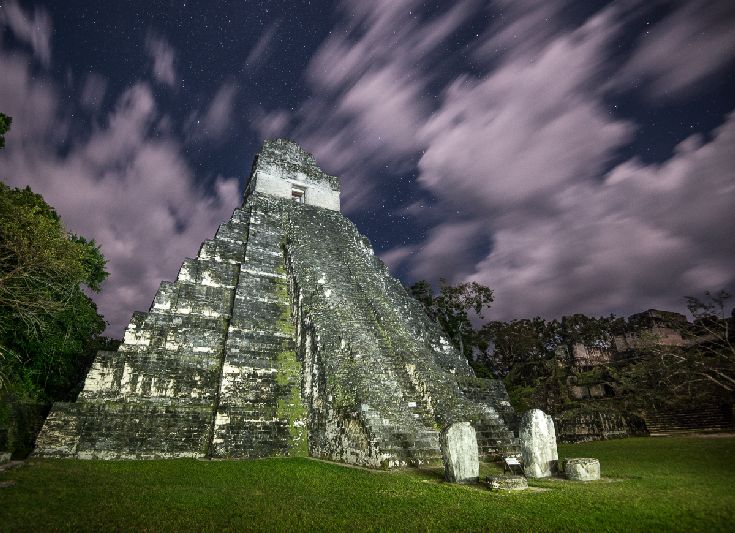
(507, 483)
(582, 469)
(4, 457)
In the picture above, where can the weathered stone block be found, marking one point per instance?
(507, 483)
(538, 444)
(597, 391)
(580, 425)
(582, 469)
(459, 453)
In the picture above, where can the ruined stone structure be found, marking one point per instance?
(284, 336)
(651, 327)
(582, 425)
(585, 357)
(664, 328)
(599, 416)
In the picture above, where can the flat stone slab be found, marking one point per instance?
(582, 469)
(10, 465)
(506, 483)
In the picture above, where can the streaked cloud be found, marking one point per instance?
(126, 184)
(262, 47)
(163, 56)
(523, 154)
(214, 123)
(532, 125)
(684, 49)
(506, 136)
(93, 92)
(32, 28)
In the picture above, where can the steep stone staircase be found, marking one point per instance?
(258, 411)
(365, 307)
(709, 418)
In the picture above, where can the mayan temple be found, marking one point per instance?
(285, 336)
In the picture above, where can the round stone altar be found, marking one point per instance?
(582, 469)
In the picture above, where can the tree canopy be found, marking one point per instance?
(46, 319)
(717, 333)
(451, 309)
(5, 122)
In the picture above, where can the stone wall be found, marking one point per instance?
(704, 417)
(589, 356)
(582, 425)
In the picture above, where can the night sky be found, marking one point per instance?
(575, 156)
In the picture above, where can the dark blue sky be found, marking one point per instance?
(575, 156)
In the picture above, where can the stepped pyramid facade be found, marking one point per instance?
(284, 336)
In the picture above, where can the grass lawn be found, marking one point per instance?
(653, 484)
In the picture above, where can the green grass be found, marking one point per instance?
(683, 484)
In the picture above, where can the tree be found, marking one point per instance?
(714, 341)
(46, 319)
(523, 353)
(594, 332)
(518, 342)
(5, 122)
(424, 293)
(451, 309)
(700, 370)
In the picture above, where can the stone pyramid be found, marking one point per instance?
(284, 336)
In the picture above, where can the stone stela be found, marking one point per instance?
(285, 336)
(538, 444)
